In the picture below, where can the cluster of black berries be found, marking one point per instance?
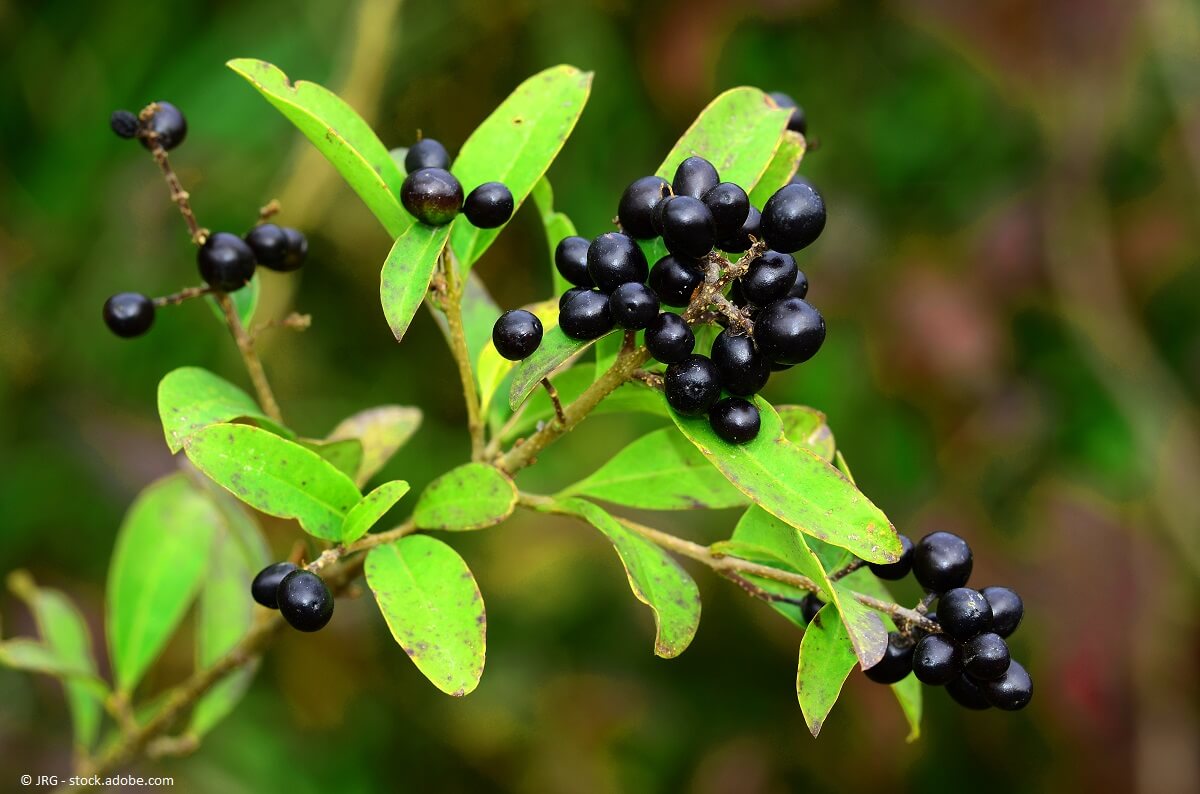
(226, 261)
(300, 596)
(434, 196)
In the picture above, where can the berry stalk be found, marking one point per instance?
(451, 306)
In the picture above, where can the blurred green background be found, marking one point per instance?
(1010, 279)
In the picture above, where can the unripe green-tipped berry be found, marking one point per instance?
(432, 195)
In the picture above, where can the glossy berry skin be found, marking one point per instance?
(265, 587)
(570, 257)
(488, 206)
(566, 297)
(297, 251)
(124, 123)
(225, 261)
(789, 331)
(692, 385)
(633, 305)
(432, 195)
(741, 241)
(896, 663)
(798, 121)
(735, 420)
(516, 334)
(129, 314)
(810, 605)
(985, 656)
(304, 601)
(636, 209)
(964, 613)
(426, 153)
(1007, 609)
(674, 280)
(967, 693)
(793, 218)
(168, 125)
(800, 288)
(614, 259)
(1011, 691)
(770, 278)
(694, 177)
(730, 206)
(894, 571)
(687, 227)
(586, 316)
(936, 660)
(743, 369)
(669, 339)
(269, 244)
(942, 561)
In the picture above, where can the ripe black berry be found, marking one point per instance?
(433, 195)
(1011, 691)
(304, 601)
(129, 314)
(694, 177)
(297, 251)
(687, 227)
(566, 297)
(810, 605)
(789, 331)
(735, 420)
(692, 385)
(570, 257)
(674, 280)
(800, 288)
(168, 125)
(798, 122)
(489, 205)
(942, 561)
(226, 262)
(586, 316)
(614, 259)
(426, 153)
(793, 218)
(1007, 609)
(896, 662)
(265, 586)
(935, 660)
(633, 305)
(963, 613)
(741, 241)
(893, 571)
(769, 278)
(967, 693)
(743, 369)
(730, 206)
(669, 339)
(516, 334)
(124, 123)
(269, 244)
(636, 210)
(985, 656)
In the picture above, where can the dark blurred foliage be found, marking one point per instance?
(1010, 279)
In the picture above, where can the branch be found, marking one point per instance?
(254, 367)
(553, 392)
(451, 306)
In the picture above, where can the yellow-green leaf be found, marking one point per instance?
(367, 513)
(381, 431)
(407, 272)
(472, 496)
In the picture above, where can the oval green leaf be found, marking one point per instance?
(407, 272)
(808, 428)
(344, 454)
(781, 169)
(557, 226)
(472, 496)
(826, 659)
(381, 431)
(191, 398)
(367, 513)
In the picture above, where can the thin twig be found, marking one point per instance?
(760, 592)
(185, 294)
(451, 306)
(178, 194)
(847, 569)
(652, 379)
(269, 210)
(254, 367)
(553, 392)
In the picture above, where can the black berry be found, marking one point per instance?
(743, 369)
(516, 334)
(793, 218)
(735, 420)
(942, 561)
(810, 605)
(967, 693)
(636, 210)
(426, 153)
(897, 661)
(432, 195)
(168, 125)
(730, 206)
(1011, 691)
(614, 259)
(687, 227)
(798, 121)
(489, 205)
(570, 257)
(741, 241)
(800, 288)
(269, 244)
(669, 339)
(1007, 609)
(124, 123)
(964, 613)
(129, 314)
(936, 660)
(304, 601)
(789, 331)
(769, 278)
(586, 316)
(692, 385)
(633, 305)
(694, 177)
(297, 250)
(985, 656)
(265, 587)
(226, 262)
(566, 297)
(893, 571)
(674, 280)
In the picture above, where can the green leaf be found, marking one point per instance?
(807, 427)
(659, 471)
(826, 659)
(434, 609)
(34, 657)
(345, 454)
(796, 486)
(657, 580)
(472, 496)
(629, 397)
(161, 555)
(191, 398)
(407, 272)
(557, 226)
(782, 168)
(556, 349)
(245, 302)
(276, 476)
(381, 431)
(516, 144)
(339, 133)
(366, 513)
(843, 466)
(491, 368)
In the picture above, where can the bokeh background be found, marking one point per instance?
(1010, 278)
